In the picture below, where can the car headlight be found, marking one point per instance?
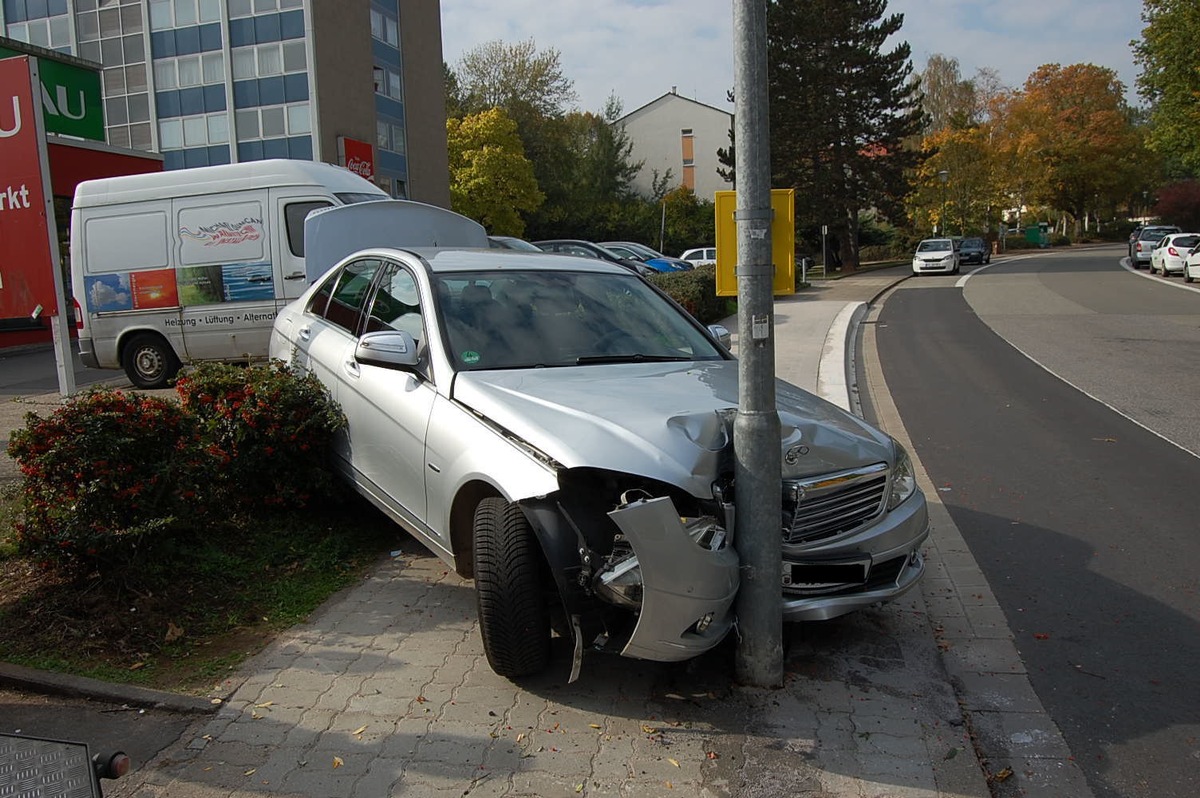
(904, 480)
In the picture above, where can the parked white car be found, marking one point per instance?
(936, 256)
(559, 430)
(701, 256)
(1167, 258)
(1191, 266)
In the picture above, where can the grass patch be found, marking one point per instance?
(184, 616)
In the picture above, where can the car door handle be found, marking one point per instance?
(304, 333)
(295, 276)
(352, 368)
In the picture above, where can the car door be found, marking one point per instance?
(324, 337)
(388, 409)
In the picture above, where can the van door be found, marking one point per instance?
(225, 275)
(290, 211)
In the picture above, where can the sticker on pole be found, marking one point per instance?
(760, 327)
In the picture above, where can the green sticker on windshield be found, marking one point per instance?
(470, 357)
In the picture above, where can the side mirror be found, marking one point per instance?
(721, 333)
(388, 348)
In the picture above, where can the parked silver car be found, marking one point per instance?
(560, 430)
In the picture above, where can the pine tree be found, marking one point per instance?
(840, 111)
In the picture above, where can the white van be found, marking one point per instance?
(193, 264)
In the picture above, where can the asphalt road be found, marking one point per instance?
(32, 370)
(1083, 519)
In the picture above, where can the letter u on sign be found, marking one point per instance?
(6, 132)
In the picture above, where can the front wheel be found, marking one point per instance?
(514, 619)
(149, 361)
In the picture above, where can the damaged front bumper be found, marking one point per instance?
(687, 585)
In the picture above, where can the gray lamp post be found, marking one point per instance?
(944, 176)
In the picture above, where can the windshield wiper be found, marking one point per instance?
(635, 357)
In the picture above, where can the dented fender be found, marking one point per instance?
(682, 583)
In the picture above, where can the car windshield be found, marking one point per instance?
(533, 319)
(941, 245)
(972, 243)
(1156, 233)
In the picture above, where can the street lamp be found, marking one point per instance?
(944, 176)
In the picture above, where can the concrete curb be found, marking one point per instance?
(833, 377)
(21, 678)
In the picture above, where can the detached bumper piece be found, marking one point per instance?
(687, 589)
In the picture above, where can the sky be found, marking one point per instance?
(641, 49)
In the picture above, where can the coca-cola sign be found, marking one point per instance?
(358, 157)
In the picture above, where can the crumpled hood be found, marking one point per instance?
(672, 422)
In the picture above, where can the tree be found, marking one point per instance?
(1179, 204)
(1070, 138)
(1170, 78)
(947, 99)
(841, 110)
(516, 77)
(491, 181)
(969, 200)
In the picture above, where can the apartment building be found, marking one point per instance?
(350, 82)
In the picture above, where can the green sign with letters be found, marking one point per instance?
(72, 103)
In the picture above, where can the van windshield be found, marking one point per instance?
(353, 197)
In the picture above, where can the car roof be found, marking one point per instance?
(460, 259)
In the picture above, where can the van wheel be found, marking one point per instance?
(513, 616)
(149, 361)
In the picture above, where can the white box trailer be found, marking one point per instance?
(193, 265)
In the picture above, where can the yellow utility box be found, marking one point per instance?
(783, 241)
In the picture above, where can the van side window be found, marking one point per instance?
(342, 298)
(294, 214)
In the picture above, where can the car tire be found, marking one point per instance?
(514, 619)
(1187, 278)
(149, 361)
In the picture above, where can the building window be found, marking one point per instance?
(273, 121)
(388, 82)
(200, 130)
(265, 60)
(385, 28)
(248, 8)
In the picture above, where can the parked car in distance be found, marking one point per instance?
(701, 256)
(587, 249)
(1168, 257)
(1148, 238)
(974, 250)
(558, 430)
(936, 256)
(664, 263)
(1191, 266)
(1133, 237)
(512, 242)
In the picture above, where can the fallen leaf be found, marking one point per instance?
(670, 786)
(137, 666)
(337, 762)
(595, 725)
(579, 787)
(359, 730)
(649, 729)
(1002, 775)
(673, 761)
(264, 704)
(1040, 636)
(254, 715)
(421, 699)
(173, 632)
(713, 755)
(250, 772)
(953, 752)
(1105, 440)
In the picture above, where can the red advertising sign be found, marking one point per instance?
(358, 157)
(26, 266)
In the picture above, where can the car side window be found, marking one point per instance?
(396, 304)
(346, 295)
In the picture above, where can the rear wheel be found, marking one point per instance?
(514, 619)
(149, 361)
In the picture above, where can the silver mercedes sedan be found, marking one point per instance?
(561, 431)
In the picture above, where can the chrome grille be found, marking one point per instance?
(819, 508)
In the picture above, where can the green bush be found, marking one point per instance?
(1060, 241)
(104, 474)
(696, 291)
(267, 431)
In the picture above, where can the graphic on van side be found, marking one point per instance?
(191, 285)
(107, 292)
(154, 289)
(223, 233)
(231, 282)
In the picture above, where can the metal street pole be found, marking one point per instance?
(756, 430)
